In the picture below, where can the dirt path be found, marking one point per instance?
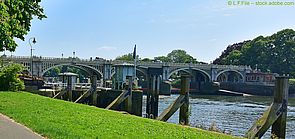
(9, 129)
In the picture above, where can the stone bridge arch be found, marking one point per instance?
(139, 69)
(204, 73)
(229, 71)
(88, 69)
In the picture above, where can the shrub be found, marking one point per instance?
(9, 80)
(292, 81)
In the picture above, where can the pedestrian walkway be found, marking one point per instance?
(9, 129)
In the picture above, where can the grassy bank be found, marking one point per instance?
(60, 119)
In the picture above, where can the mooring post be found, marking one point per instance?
(94, 88)
(148, 96)
(155, 95)
(70, 88)
(281, 96)
(129, 99)
(275, 115)
(181, 102)
(184, 109)
(152, 97)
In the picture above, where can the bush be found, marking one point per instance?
(292, 81)
(9, 80)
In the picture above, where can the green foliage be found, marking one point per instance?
(180, 56)
(53, 72)
(292, 81)
(162, 59)
(15, 20)
(60, 119)
(8, 78)
(274, 53)
(146, 60)
(126, 57)
(228, 50)
(177, 56)
(56, 70)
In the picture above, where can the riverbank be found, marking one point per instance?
(60, 119)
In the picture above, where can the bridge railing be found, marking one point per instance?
(140, 63)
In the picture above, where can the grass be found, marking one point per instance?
(60, 119)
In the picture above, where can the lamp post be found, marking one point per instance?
(33, 39)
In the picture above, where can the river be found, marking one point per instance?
(234, 114)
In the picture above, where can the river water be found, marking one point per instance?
(234, 114)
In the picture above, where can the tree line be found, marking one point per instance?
(275, 53)
(175, 56)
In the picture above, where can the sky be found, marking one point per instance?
(110, 28)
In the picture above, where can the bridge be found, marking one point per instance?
(105, 69)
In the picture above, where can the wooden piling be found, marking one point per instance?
(184, 109)
(70, 89)
(281, 96)
(148, 97)
(125, 96)
(128, 101)
(94, 90)
(153, 96)
(181, 102)
(275, 115)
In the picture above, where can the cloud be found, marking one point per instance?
(107, 48)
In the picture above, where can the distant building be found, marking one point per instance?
(258, 76)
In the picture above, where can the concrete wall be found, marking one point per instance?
(261, 90)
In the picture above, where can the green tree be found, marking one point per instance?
(53, 72)
(275, 53)
(126, 57)
(180, 56)
(15, 20)
(162, 59)
(233, 58)
(146, 60)
(9, 80)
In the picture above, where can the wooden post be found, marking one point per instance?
(181, 102)
(148, 96)
(94, 88)
(129, 99)
(281, 96)
(156, 96)
(123, 96)
(70, 88)
(184, 109)
(275, 115)
(153, 92)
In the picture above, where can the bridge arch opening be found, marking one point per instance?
(188, 70)
(142, 77)
(85, 72)
(198, 79)
(230, 76)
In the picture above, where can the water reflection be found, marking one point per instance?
(233, 114)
